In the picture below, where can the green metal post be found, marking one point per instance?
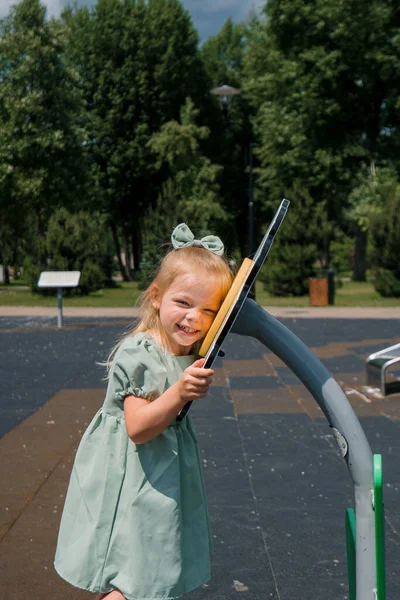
(379, 528)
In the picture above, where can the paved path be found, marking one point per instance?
(276, 485)
(315, 312)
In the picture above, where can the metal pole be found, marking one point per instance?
(59, 305)
(251, 220)
(252, 291)
(256, 322)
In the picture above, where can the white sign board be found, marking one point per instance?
(59, 279)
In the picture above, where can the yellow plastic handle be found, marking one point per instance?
(230, 299)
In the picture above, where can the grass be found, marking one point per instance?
(125, 295)
(351, 293)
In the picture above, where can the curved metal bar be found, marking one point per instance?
(254, 321)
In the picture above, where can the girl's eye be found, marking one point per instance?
(183, 302)
(210, 311)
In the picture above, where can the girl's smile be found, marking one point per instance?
(187, 329)
(187, 310)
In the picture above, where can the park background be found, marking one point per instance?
(109, 136)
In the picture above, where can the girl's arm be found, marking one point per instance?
(146, 419)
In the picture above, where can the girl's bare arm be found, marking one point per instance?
(146, 419)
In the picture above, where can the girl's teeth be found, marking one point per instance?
(187, 329)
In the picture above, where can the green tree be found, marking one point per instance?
(367, 199)
(293, 258)
(191, 194)
(223, 54)
(230, 133)
(140, 61)
(322, 77)
(76, 242)
(177, 146)
(42, 163)
(385, 251)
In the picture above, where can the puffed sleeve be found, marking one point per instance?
(137, 370)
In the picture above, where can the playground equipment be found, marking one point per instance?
(378, 366)
(365, 524)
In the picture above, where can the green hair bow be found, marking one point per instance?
(182, 237)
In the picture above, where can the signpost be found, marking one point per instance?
(59, 280)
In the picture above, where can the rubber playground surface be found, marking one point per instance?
(277, 486)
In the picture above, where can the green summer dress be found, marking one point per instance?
(135, 517)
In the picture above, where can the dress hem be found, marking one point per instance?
(98, 591)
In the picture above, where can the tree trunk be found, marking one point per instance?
(360, 256)
(121, 265)
(128, 258)
(6, 274)
(136, 248)
(41, 254)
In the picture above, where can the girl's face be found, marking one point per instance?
(187, 309)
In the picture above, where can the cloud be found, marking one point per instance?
(54, 7)
(5, 7)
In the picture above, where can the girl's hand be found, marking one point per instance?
(195, 381)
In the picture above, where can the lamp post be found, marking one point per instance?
(226, 94)
(251, 221)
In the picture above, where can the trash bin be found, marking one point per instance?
(322, 289)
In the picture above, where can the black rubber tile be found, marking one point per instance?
(366, 349)
(240, 562)
(12, 416)
(299, 459)
(276, 484)
(286, 376)
(318, 332)
(255, 383)
(216, 405)
(303, 488)
(237, 347)
(218, 437)
(344, 364)
(36, 362)
(307, 551)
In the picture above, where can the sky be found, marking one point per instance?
(208, 15)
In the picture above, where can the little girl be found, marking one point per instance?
(135, 523)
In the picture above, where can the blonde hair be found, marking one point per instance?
(176, 262)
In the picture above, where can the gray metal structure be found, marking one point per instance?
(246, 317)
(254, 321)
(378, 365)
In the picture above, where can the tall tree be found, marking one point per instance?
(194, 177)
(294, 256)
(368, 198)
(192, 193)
(322, 76)
(385, 247)
(140, 61)
(42, 163)
(223, 53)
(231, 134)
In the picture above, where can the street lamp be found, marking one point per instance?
(226, 94)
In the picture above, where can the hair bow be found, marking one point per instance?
(182, 237)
